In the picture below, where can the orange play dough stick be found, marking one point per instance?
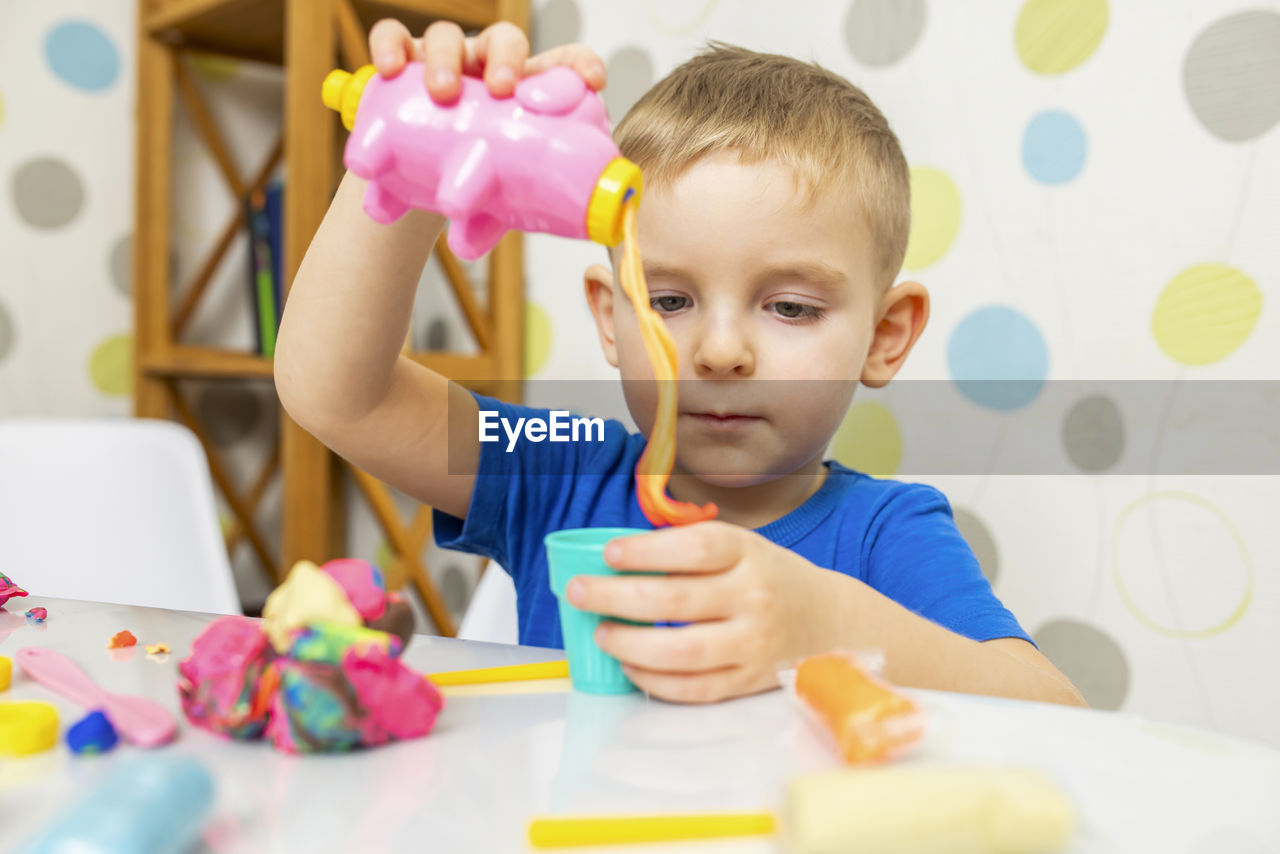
(659, 457)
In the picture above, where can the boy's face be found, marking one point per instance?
(755, 282)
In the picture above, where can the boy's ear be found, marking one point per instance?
(597, 281)
(904, 311)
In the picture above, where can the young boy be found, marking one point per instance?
(774, 220)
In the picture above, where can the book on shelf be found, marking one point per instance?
(262, 275)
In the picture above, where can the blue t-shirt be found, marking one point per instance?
(899, 538)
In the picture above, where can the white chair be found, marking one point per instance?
(116, 510)
(491, 615)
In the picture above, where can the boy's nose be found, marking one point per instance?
(723, 350)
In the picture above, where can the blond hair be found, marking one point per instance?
(769, 107)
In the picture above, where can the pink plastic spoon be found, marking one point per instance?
(141, 721)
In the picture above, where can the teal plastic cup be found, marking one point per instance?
(580, 551)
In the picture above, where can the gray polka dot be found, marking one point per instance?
(47, 193)
(630, 73)
(121, 265)
(979, 538)
(6, 332)
(455, 589)
(557, 22)
(228, 412)
(1232, 75)
(881, 32)
(1231, 839)
(1093, 434)
(438, 335)
(1089, 658)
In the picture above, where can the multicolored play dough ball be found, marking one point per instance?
(92, 734)
(37, 615)
(319, 673)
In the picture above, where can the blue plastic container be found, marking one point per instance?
(580, 551)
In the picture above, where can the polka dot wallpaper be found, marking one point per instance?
(1093, 198)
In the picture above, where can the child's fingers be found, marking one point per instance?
(706, 687)
(696, 648)
(391, 45)
(443, 47)
(502, 49)
(652, 599)
(581, 59)
(702, 547)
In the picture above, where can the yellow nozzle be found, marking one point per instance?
(342, 90)
(619, 181)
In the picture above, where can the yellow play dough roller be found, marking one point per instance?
(919, 810)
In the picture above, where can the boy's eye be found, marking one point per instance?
(795, 310)
(668, 303)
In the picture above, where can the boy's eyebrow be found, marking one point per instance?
(658, 270)
(813, 272)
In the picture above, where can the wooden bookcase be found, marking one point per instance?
(308, 38)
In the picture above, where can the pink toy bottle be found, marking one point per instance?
(541, 160)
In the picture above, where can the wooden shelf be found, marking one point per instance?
(206, 362)
(307, 37)
(476, 371)
(254, 29)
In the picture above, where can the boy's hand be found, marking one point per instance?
(752, 606)
(500, 54)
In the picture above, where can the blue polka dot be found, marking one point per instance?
(1054, 147)
(82, 55)
(998, 358)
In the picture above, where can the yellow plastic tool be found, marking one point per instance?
(551, 832)
(27, 726)
(6, 672)
(511, 673)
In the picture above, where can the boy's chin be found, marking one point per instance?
(734, 476)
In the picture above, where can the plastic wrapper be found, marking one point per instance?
(859, 713)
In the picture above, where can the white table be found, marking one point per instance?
(495, 760)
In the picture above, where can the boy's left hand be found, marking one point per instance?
(752, 606)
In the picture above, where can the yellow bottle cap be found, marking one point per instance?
(619, 181)
(341, 91)
(27, 727)
(6, 672)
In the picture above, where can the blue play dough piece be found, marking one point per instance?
(92, 734)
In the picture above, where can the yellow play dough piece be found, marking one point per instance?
(307, 595)
(6, 672)
(27, 727)
(926, 811)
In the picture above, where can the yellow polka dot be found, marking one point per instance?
(935, 217)
(1054, 36)
(537, 339)
(111, 366)
(1205, 313)
(868, 440)
(227, 522)
(1218, 572)
(214, 67)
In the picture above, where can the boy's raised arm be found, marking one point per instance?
(338, 367)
